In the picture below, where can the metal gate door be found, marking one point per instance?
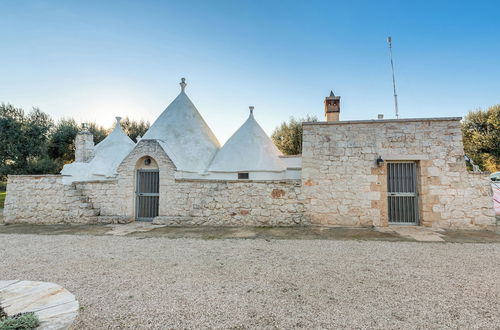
(147, 194)
(402, 193)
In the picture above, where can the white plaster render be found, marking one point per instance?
(184, 135)
(249, 149)
(108, 154)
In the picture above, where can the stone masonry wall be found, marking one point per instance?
(191, 202)
(342, 185)
(231, 203)
(44, 199)
(105, 196)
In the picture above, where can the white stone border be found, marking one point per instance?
(55, 306)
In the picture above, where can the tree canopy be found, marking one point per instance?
(288, 136)
(33, 144)
(24, 141)
(134, 128)
(481, 137)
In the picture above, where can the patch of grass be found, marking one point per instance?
(22, 321)
(2, 199)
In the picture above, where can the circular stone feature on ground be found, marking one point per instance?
(55, 306)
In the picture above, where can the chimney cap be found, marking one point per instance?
(332, 96)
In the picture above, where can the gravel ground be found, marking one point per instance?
(128, 282)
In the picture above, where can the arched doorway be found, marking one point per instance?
(147, 189)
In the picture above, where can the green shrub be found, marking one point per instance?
(22, 321)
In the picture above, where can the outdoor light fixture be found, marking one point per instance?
(379, 161)
(147, 161)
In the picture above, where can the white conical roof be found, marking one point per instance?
(184, 135)
(248, 149)
(110, 152)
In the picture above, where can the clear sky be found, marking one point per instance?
(93, 60)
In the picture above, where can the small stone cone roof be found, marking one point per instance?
(184, 134)
(110, 152)
(248, 149)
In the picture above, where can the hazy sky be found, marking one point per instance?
(93, 60)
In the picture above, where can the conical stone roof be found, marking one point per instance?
(248, 149)
(184, 134)
(110, 152)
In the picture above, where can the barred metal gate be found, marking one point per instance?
(147, 194)
(402, 193)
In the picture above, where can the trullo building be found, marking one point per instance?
(351, 173)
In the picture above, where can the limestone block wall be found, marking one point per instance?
(190, 202)
(127, 176)
(103, 195)
(342, 184)
(44, 199)
(233, 203)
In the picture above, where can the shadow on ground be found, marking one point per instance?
(147, 230)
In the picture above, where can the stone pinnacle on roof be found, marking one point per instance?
(118, 119)
(251, 109)
(183, 84)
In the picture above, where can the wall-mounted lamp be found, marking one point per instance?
(147, 161)
(379, 161)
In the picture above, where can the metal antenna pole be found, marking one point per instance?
(389, 41)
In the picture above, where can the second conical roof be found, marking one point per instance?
(248, 149)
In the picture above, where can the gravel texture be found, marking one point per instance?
(129, 282)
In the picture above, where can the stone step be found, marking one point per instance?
(89, 212)
(85, 205)
(73, 192)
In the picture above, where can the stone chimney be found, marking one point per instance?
(332, 107)
(84, 145)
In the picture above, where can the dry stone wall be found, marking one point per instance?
(106, 197)
(234, 203)
(41, 199)
(342, 184)
(197, 202)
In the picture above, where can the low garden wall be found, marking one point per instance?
(233, 203)
(43, 199)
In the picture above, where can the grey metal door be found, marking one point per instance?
(402, 193)
(147, 194)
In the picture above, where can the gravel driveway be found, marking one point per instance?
(129, 282)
